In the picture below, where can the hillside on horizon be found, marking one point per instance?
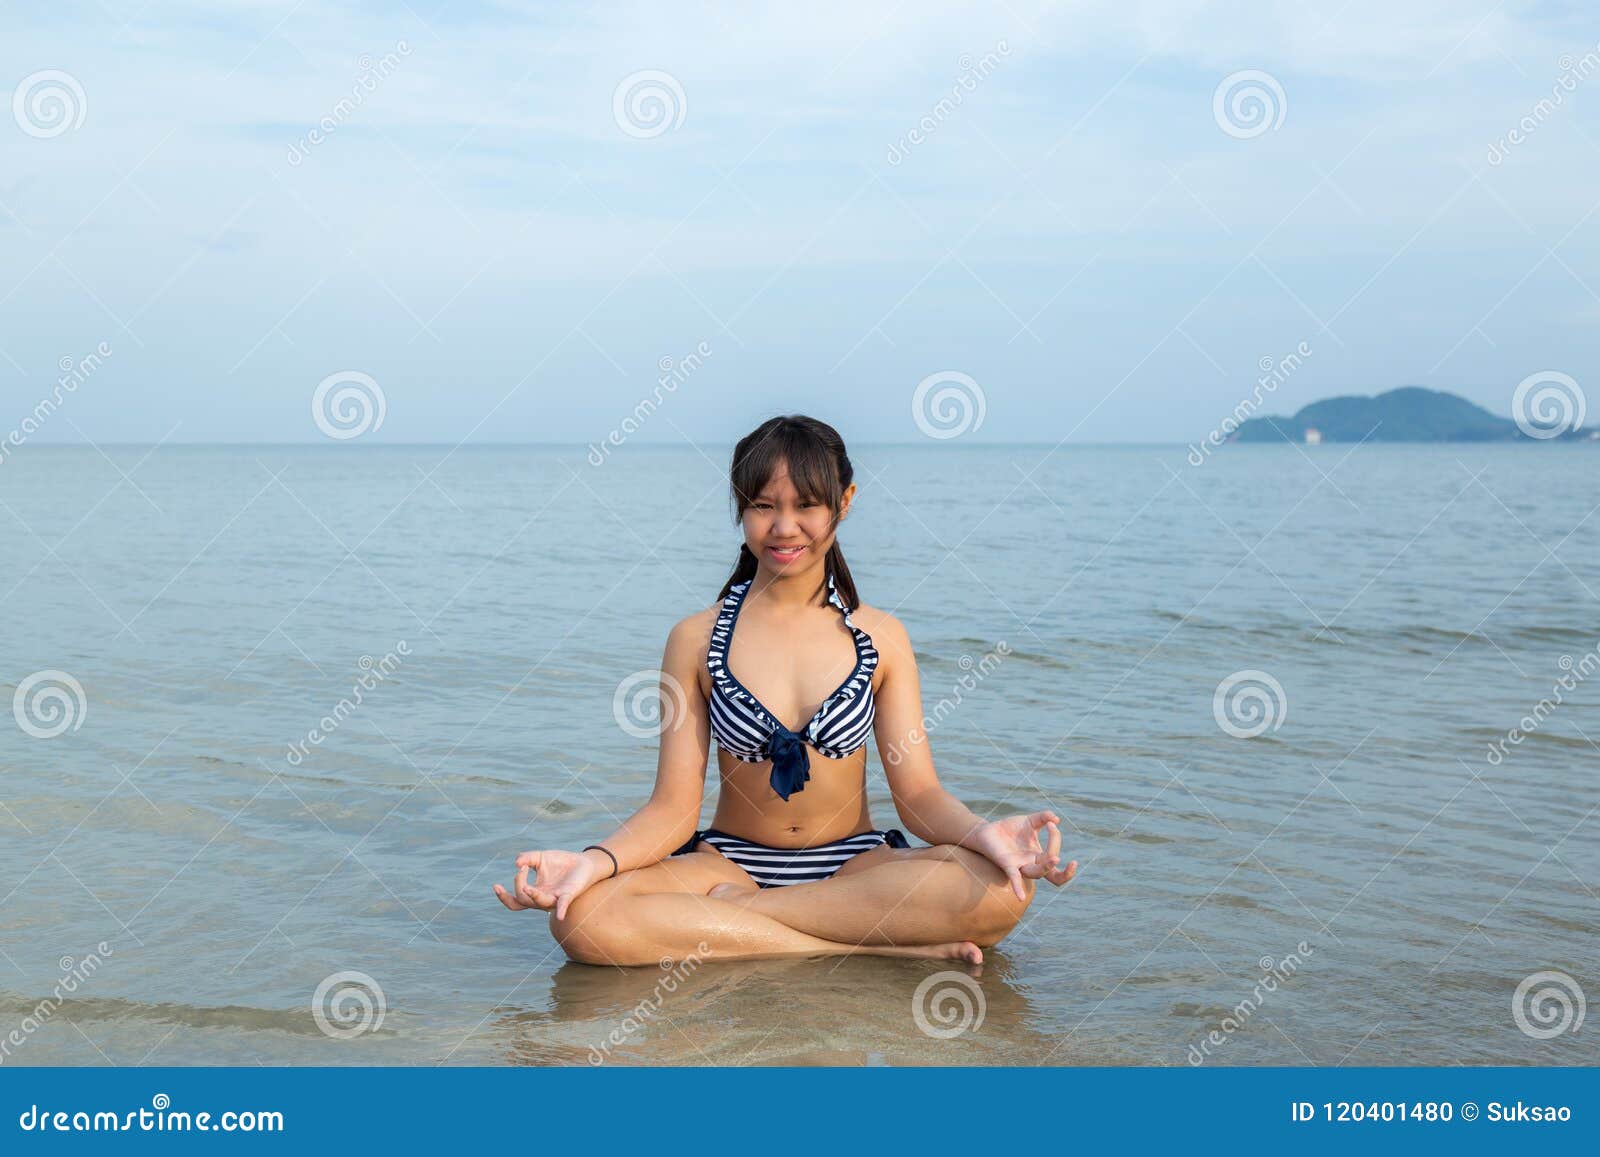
(1405, 414)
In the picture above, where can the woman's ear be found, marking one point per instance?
(845, 499)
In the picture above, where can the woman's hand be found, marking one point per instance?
(1013, 845)
(559, 879)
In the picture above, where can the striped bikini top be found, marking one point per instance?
(750, 733)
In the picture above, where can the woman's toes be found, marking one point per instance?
(970, 952)
(726, 891)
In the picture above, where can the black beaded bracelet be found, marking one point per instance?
(615, 867)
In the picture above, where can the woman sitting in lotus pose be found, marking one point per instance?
(792, 865)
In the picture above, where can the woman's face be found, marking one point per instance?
(788, 533)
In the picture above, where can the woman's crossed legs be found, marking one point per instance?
(940, 902)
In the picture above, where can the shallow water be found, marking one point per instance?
(1414, 603)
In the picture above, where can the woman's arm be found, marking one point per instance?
(929, 811)
(657, 829)
(925, 807)
(661, 826)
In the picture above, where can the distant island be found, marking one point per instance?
(1407, 414)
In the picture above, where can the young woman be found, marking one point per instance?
(792, 864)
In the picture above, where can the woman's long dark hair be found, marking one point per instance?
(820, 470)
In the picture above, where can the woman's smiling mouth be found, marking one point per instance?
(785, 554)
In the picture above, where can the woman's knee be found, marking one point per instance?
(1003, 910)
(998, 908)
(580, 933)
(595, 929)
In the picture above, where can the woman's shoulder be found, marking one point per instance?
(887, 632)
(693, 632)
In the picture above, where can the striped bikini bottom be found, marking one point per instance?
(775, 867)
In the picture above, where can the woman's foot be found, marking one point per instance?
(731, 891)
(963, 950)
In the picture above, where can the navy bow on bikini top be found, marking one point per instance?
(752, 734)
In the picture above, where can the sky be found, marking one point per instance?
(1004, 222)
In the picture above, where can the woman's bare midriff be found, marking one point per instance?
(833, 804)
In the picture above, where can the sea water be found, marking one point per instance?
(1318, 720)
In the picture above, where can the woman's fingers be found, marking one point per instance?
(527, 892)
(1015, 876)
(1053, 852)
(1062, 876)
(563, 900)
(508, 899)
(522, 894)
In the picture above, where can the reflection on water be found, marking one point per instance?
(1412, 613)
(858, 1010)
